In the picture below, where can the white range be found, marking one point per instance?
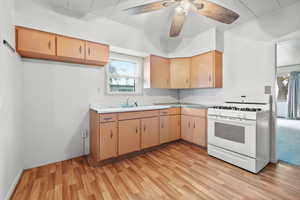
(240, 134)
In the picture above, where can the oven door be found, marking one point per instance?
(233, 134)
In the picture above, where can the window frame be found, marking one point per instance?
(126, 58)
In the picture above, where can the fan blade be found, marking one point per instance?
(177, 24)
(216, 12)
(149, 7)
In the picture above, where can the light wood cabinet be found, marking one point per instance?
(194, 126)
(199, 131)
(129, 136)
(96, 54)
(175, 124)
(157, 72)
(200, 71)
(149, 132)
(186, 128)
(70, 49)
(164, 129)
(180, 72)
(108, 140)
(206, 70)
(35, 44)
(32, 43)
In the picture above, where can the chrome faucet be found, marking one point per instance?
(128, 105)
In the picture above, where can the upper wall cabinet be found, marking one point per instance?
(96, 54)
(201, 71)
(180, 72)
(70, 49)
(206, 70)
(42, 45)
(35, 44)
(157, 72)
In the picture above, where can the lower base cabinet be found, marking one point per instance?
(150, 132)
(108, 140)
(194, 126)
(164, 129)
(129, 136)
(175, 124)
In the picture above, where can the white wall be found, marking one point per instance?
(57, 95)
(11, 137)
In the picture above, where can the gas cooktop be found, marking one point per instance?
(249, 109)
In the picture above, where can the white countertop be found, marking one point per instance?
(103, 109)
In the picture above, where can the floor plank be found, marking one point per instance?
(177, 171)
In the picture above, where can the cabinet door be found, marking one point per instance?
(157, 72)
(202, 71)
(174, 127)
(129, 136)
(150, 132)
(96, 53)
(70, 48)
(108, 140)
(186, 128)
(199, 131)
(164, 129)
(36, 44)
(180, 72)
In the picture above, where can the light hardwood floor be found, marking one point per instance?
(178, 171)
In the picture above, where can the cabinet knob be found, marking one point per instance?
(144, 128)
(136, 130)
(111, 134)
(89, 51)
(80, 49)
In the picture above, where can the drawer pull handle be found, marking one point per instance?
(136, 130)
(80, 49)
(89, 51)
(144, 128)
(49, 45)
(194, 125)
(107, 118)
(111, 134)
(162, 125)
(189, 124)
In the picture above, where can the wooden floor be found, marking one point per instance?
(178, 171)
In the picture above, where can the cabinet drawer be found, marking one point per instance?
(174, 111)
(108, 118)
(194, 112)
(164, 112)
(138, 115)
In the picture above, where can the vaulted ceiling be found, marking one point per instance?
(160, 21)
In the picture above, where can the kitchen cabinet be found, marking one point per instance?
(35, 44)
(199, 131)
(175, 122)
(150, 132)
(206, 70)
(157, 72)
(186, 128)
(97, 54)
(194, 126)
(200, 71)
(108, 140)
(129, 136)
(180, 72)
(164, 129)
(70, 49)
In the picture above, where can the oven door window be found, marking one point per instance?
(230, 132)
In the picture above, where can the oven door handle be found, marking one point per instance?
(232, 120)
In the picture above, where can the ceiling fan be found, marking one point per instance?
(203, 7)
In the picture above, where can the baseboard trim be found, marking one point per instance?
(14, 185)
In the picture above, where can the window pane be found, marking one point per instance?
(122, 84)
(123, 68)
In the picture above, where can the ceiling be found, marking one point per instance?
(160, 21)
